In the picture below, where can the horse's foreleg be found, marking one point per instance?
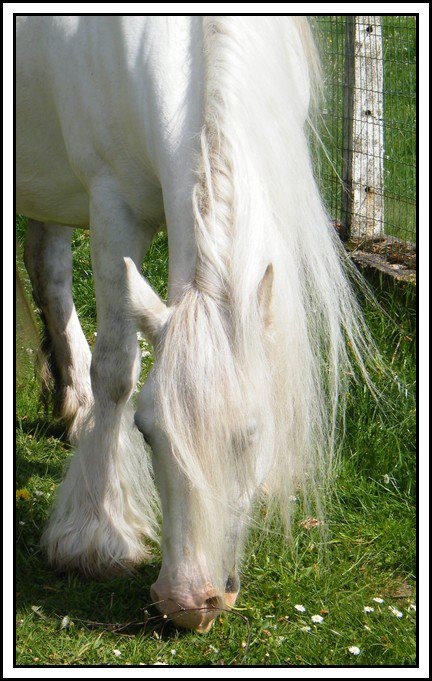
(48, 259)
(106, 503)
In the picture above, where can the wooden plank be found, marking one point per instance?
(374, 261)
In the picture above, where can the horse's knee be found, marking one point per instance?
(113, 373)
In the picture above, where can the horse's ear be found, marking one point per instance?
(265, 294)
(144, 305)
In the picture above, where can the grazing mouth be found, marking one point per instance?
(199, 619)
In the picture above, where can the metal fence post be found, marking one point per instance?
(363, 130)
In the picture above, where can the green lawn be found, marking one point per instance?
(64, 620)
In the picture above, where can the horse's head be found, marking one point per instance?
(186, 587)
(205, 432)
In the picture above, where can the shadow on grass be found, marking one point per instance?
(26, 469)
(120, 605)
(46, 426)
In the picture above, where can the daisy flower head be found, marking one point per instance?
(317, 619)
(300, 608)
(395, 612)
(378, 599)
(65, 623)
(368, 608)
(354, 650)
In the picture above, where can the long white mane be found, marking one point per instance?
(255, 203)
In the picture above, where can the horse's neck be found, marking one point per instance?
(226, 93)
(175, 63)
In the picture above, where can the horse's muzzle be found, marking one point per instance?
(196, 612)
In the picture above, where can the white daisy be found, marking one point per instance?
(317, 618)
(395, 612)
(300, 608)
(355, 650)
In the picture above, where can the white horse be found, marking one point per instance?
(123, 122)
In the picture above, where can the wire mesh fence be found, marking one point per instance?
(368, 128)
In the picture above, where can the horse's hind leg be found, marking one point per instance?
(104, 506)
(48, 259)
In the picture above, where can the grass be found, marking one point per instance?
(371, 549)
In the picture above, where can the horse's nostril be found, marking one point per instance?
(213, 603)
(233, 583)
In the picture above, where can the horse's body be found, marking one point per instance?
(124, 121)
(109, 119)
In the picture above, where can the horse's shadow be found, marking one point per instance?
(43, 424)
(120, 606)
(26, 468)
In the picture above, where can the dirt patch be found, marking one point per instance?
(394, 251)
(388, 254)
(399, 589)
